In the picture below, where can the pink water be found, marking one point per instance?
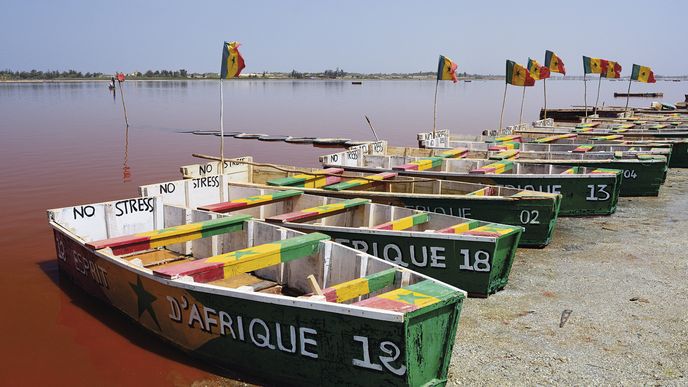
(63, 144)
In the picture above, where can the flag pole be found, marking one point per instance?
(585, 94)
(222, 129)
(434, 115)
(544, 87)
(630, 79)
(523, 98)
(501, 116)
(597, 100)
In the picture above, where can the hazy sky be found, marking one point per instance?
(357, 36)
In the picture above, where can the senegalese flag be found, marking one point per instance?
(554, 63)
(536, 71)
(592, 65)
(642, 74)
(518, 75)
(232, 61)
(610, 69)
(446, 70)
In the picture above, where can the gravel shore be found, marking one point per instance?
(623, 277)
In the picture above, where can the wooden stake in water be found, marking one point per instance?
(628, 93)
(523, 98)
(126, 120)
(544, 87)
(222, 130)
(585, 94)
(597, 100)
(371, 128)
(501, 116)
(434, 114)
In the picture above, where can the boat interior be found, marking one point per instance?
(234, 252)
(294, 206)
(472, 166)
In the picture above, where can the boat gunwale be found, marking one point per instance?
(323, 306)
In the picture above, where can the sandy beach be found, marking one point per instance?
(623, 279)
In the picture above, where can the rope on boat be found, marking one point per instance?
(268, 165)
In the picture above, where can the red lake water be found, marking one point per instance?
(64, 144)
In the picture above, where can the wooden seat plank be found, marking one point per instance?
(251, 201)
(318, 212)
(360, 286)
(171, 235)
(245, 260)
(404, 223)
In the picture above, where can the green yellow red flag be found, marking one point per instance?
(232, 61)
(554, 63)
(610, 69)
(536, 71)
(592, 65)
(518, 75)
(642, 74)
(446, 70)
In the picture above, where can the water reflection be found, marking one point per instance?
(126, 169)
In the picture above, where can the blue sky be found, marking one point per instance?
(357, 36)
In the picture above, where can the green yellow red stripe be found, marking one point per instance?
(583, 148)
(404, 223)
(490, 230)
(453, 153)
(460, 227)
(571, 171)
(497, 167)
(408, 298)
(505, 155)
(506, 145)
(171, 235)
(245, 260)
(607, 137)
(251, 201)
(360, 183)
(319, 211)
(421, 164)
(555, 137)
(360, 286)
(514, 137)
(309, 180)
(605, 171)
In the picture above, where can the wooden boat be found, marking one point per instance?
(679, 154)
(250, 136)
(473, 255)
(260, 299)
(643, 173)
(534, 211)
(299, 140)
(272, 138)
(575, 114)
(335, 142)
(531, 143)
(585, 191)
(618, 95)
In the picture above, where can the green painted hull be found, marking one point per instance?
(274, 342)
(337, 346)
(638, 178)
(480, 267)
(537, 217)
(583, 195)
(679, 155)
